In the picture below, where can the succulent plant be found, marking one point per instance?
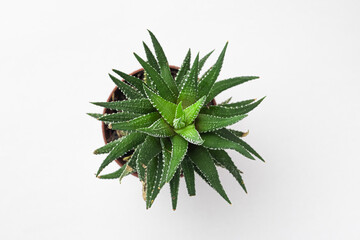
(171, 126)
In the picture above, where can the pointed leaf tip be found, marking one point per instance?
(246, 133)
(206, 168)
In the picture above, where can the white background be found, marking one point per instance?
(54, 60)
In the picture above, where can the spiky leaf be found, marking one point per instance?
(118, 117)
(208, 81)
(224, 160)
(238, 104)
(215, 142)
(113, 175)
(179, 149)
(148, 150)
(185, 67)
(179, 121)
(204, 162)
(225, 111)
(190, 134)
(125, 144)
(174, 188)
(164, 65)
(188, 93)
(130, 165)
(127, 171)
(139, 122)
(166, 109)
(133, 105)
(208, 123)
(188, 170)
(166, 155)
(95, 115)
(133, 159)
(203, 60)
(226, 84)
(179, 113)
(158, 129)
(126, 89)
(225, 101)
(225, 133)
(239, 133)
(151, 58)
(192, 111)
(150, 181)
(159, 82)
(107, 147)
(156, 188)
(136, 82)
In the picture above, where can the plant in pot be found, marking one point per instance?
(162, 122)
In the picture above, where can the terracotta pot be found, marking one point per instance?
(116, 95)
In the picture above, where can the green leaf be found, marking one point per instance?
(118, 117)
(130, 165)
(216, 142)
(127, 171)
(158, 129)
(208, 123)
(132, 161)
(185, 67)
(113, 175)
(204, 162)
(107, 147)
(225, 133)
(166, 155)
(179, 149)
(179, 113)
(203, 60)
(156, 188)
(151, 59)
(224, 160)
(226, 101)
(134, 105)
(225, 111)
(201, 175)
(95, 115)
(190, 134)
(134, 124)
(174, 189)
(166, 109)
(208, 81)
(148, 81)
(179, 121)
(164, 65)
(192, 111)
(188, 93)
(125, 144)
(205, 75)
(126, 89)
(226, 84)
(150, 181)
(238, 104)
(239, 133)
(148, 150)
(136, 82)
(159, 82)
(188, 170)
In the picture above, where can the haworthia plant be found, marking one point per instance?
(172, 128)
